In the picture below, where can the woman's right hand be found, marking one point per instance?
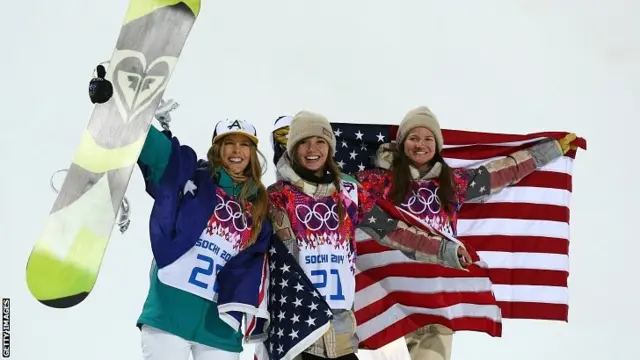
(464, 257)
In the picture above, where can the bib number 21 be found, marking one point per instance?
(337, 294)
(205, 271)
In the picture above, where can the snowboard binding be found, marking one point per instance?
(100, 89)
(123, 213)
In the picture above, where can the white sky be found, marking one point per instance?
(504, 66)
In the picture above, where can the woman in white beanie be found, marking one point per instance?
(279, 135)
(412, 174)
(315, 212)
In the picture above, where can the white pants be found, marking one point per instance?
(161, 345)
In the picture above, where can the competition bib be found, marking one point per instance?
(329, 270)
(328, 265)
(196, 271)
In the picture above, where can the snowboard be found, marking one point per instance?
(64, 263)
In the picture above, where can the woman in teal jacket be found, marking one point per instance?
(209, 236)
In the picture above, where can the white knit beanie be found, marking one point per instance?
(420, 117)
(305, 124)
(282, 121)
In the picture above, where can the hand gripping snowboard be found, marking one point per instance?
(64, 263)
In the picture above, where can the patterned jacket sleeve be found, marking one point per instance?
(388, 230)
(279, 217)
(476, 185)
(373, 181)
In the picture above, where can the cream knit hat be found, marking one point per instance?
(420, 117)
(305, 124)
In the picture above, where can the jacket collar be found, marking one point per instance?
(384, 159)
(285, 172)
(227, 184)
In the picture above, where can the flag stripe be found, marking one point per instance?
(531, 293)
(532, 195)
(548, 180)
(524, 212)
(530, 244)
(529, 277)
(520, 260)
(515, 227)
(536, 311)
(414, 271)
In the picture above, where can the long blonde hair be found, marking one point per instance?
(253, 175)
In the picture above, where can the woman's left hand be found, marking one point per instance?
(464, 257)
(566, 143)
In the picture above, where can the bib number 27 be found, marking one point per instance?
(206, 271)
(322, 284)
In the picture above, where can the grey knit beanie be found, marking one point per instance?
(420, 117)
(305, 124)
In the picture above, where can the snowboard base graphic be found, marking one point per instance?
(63, 266)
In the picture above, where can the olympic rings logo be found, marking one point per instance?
(417, 204)
(321, 215)
(231, 210)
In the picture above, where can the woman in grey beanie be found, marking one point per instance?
(412, 174)
(315, 211)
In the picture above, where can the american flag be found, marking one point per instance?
(299, 314)
(522, 233)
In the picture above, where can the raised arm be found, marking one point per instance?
(154, 157)
(168, 242)
(475, 185)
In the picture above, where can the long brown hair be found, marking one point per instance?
(401, 179)
(253, 173)
(336, 177)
